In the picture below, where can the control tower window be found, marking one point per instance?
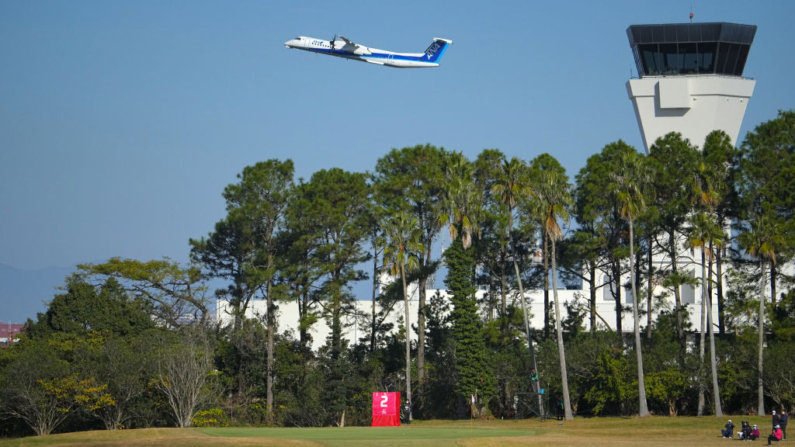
(671, 59)
(706, 57)
(689, 54)
(652, 60)
(742, 56)
(724, 54)
(731, 61)
(691, 48)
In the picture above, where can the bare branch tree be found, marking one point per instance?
(184, 371)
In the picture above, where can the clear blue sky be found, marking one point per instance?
(121, 122)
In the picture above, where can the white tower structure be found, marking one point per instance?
(690, 79)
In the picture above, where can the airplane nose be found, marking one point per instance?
(291, 43)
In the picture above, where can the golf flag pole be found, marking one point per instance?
(471, 416)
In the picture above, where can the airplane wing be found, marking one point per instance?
(354, 48)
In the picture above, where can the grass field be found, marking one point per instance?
(595, 432)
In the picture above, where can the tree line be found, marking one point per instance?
(133, 343)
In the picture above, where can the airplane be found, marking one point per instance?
(353, 51)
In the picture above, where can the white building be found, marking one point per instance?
(288, 315)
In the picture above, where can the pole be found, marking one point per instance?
(472, 411)
(534, 385)
(471, 418)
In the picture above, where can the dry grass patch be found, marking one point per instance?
(620, 432)
(155, 437)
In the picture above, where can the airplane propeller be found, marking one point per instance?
(333, 43)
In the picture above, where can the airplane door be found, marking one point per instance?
(388, 60)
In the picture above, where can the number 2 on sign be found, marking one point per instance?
(384, 399)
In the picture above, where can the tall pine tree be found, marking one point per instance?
(474, 374)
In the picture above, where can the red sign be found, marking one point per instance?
(386, 411)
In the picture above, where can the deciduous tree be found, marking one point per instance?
(40, 387)
(176, 294)
(183, 373)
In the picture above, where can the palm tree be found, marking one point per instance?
(702, 197)
(400, 255)
(706, 186)
(553, 194)
(705, 233)
(462, 207)
(631, 185)
(762, 240)
(462, 200)
(512, 184)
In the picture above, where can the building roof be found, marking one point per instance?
(7, 329)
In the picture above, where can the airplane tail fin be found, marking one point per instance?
(435, 52)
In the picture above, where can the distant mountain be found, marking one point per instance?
(23, 293)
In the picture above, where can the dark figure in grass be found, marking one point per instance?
(782, 421)
(557, 405)
(729, 432)
(776, 419)
(754, 434)
(405, 412)
(745, 431)
(775, 436)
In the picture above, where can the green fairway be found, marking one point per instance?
(368, 435)
(591, 432)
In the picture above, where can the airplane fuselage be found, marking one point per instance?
(352, 51)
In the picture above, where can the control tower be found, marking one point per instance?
(690, 79)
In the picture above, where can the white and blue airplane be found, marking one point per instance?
(349, 50)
